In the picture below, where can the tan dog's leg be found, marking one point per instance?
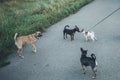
(20, 53)
(34, 48)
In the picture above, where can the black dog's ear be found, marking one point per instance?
(67, 25)
(82, 30)
(86, 51)
(76, 26)
(81, 49)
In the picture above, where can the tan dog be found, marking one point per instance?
(29, 39)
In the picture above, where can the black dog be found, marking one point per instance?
(88, 61)
(71, 32)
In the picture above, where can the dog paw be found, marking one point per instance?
(84, 72)
(22, 57)
(34, 51)
(93, 77)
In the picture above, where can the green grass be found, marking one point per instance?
(28, 16)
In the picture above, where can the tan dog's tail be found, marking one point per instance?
(15, 36)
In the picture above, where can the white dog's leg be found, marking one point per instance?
(86, 38)
(93, 39)
(93, 36)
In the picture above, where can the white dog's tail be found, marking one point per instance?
(15, 36)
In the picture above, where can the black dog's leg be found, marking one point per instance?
(84, 69)
(66, 35)
(72, 37)
(94, 73)
(63, 35)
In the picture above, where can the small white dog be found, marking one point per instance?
(89, 34)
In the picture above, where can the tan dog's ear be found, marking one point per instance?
(36, 33)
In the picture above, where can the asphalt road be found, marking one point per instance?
(58, 59)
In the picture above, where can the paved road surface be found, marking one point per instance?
(58, 59)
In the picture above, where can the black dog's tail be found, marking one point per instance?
(66, 26)
(93, 56)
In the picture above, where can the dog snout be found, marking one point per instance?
(77, 29)
(40, 34)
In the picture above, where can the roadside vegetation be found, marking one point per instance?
(28, 16)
